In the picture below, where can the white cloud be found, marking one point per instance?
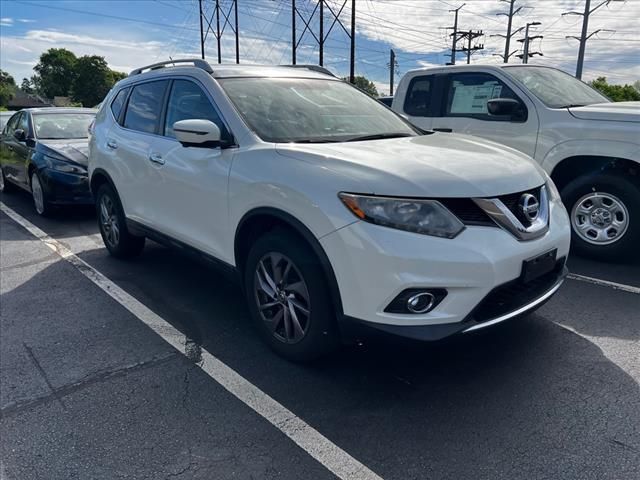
(6, 22)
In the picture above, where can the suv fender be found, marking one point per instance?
(269, 217)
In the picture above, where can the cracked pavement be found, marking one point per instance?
(87, 391)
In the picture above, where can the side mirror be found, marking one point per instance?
(197, 133)
(20, 135)
(506, 107)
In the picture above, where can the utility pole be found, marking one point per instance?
(201, 31)
(585, 27)
(352, 63)
(321, 26)
(470, 36)
(507, 37)
(393, 65)
(217, 31)
(526, 41)
(293, 32)
(454, 35)
(218, 35)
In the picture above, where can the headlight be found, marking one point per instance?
(66, 167)
(554, 194)
(428, 217)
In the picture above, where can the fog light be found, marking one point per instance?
(416, 301)
(420, 302)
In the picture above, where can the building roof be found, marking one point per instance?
(22, 100)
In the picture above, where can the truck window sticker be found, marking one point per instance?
(473, 98)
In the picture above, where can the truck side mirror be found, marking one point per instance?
(507, 107)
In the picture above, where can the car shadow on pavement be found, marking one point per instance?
(527, 399)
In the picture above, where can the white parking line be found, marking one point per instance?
(339, 462)
(604, 283)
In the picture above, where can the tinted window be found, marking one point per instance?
(145, 106)
(468, 94)
(23, 124)
(188, 101)
(12, 124)
(418, 97)
(118, 103)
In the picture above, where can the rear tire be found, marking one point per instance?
(605, 217)
(5, 185)
(288, 297)
(113, 226)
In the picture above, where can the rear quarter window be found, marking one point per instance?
(118, 103)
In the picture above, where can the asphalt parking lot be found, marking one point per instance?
(90, 391)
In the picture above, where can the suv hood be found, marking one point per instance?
(612, 111)
(436, 165)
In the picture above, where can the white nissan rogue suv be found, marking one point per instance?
(337, 215)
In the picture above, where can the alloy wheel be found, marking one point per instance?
(1, 181)
(600, 218)
(282, 297)
(109, 221)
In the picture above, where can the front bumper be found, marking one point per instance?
(480, 269)
(65, 188)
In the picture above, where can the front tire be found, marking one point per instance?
(40, 200)
(605, 217)
(288, 297)
(113, 226)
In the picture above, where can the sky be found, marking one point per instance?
(132, 33)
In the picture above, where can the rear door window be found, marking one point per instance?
(145, 107)
(418, 99)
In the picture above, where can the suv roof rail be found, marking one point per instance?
(197, 62)
(315, 68)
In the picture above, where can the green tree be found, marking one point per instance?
(617, 93)
(92, 81)
(117, 76)
(55, 72)
(7, 87)
(26, 86)
(363, 83)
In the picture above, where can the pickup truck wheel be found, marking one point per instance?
(113, 225)
(288, 297)
(605, 216)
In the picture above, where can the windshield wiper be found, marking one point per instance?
(379, 136)
(573, 105)
(315, 140)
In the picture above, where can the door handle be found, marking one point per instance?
(112, 144)
(441, 129)
(156, 158)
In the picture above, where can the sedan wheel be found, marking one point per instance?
(39, 200)
(283, 297)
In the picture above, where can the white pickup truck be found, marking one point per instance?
(588, 145)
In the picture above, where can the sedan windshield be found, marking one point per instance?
(57, 126)
(312, 111)
(555, 88)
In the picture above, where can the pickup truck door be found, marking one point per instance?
(420, 105)
(464, 110)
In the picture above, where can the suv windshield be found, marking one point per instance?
(555, 88)
(312, 110)
(57, 126)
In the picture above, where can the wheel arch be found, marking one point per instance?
(98, 178)
(576, 166)
(263, 219)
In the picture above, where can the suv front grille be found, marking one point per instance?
(512, 295)
(467, 211)
(512, 201)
